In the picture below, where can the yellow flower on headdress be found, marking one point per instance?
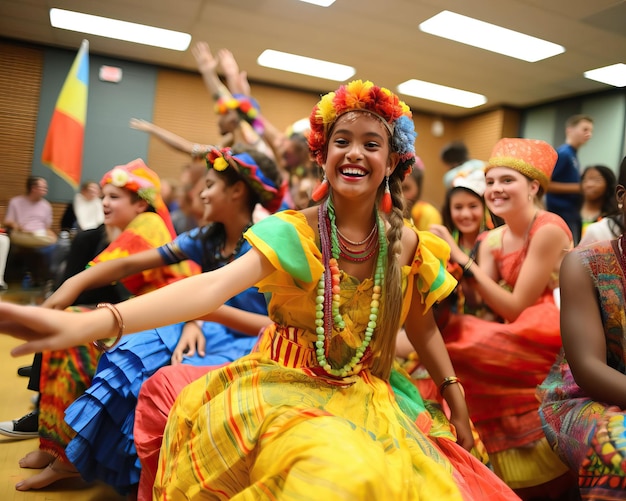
(326, 108)
(119, 178)
(358, 94)
(220, 164)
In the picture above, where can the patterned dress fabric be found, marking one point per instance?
(274, 425)
(501, 365)
(67, 374)
(103, 417)
(587, 435)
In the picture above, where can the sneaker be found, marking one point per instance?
(24, 427)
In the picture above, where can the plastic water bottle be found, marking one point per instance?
(27, 281)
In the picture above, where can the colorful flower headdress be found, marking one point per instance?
(365, 96)
(246, 106)
(270, 195)
(137, 177)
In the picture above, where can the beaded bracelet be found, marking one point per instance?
(447, 382)
(101, 344)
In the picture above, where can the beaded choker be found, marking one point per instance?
(347, 250)
(328, 291)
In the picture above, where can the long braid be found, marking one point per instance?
(385, 338)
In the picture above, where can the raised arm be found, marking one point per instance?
(583, 336)
(236, 80)
(187, 299)
(103, 274)
(177, 142)
(207, 66)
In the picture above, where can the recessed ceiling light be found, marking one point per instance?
(441, 93)
(488, 36)
(119, 30)
(305, 65)
(321, 3)
(613, 75)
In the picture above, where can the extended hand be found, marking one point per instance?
(204, 58)
(42, 328)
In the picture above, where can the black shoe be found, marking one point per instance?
(24, 427)
(25, 371)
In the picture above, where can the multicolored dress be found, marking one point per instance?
(66, 374)
(501, 365)
(103, 417)
(590, 436)
(274, 424)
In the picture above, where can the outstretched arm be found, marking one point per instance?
(177, 142)
(187, 299)
(424, 335)
(583, 335)
(103, 274)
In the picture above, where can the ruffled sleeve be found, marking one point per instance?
(428, 270)
(288, 242)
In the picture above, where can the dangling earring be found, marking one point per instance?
(385, 203)
(321, 190)
(620, 206)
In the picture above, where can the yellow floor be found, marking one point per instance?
(15, 403)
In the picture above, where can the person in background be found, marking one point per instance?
(420, 212)
(465, 221)
(456, 157)
(85, 211)
(312, 409)
(28, 222)
(502, 361)
(563, 196)
(136, 219)
(598, 189)
(612, 226)
(583, 403)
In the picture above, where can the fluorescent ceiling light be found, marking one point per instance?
(441, 93)
(488, 36)
(305, 65)
(120, 30)
(613, 75)
(321, 3)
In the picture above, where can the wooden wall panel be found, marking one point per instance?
(20, 83)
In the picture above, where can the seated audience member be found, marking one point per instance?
(136, 219)
(611, 226)
(501, 362)
(85, 211)
(583, 402)
(29, 221)
(597, 184)
(419, 211)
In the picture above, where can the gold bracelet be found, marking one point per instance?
(447, 382)
(100, 343)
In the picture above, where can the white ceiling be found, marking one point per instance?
(380, 38)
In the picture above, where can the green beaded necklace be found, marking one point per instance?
(328, 291)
